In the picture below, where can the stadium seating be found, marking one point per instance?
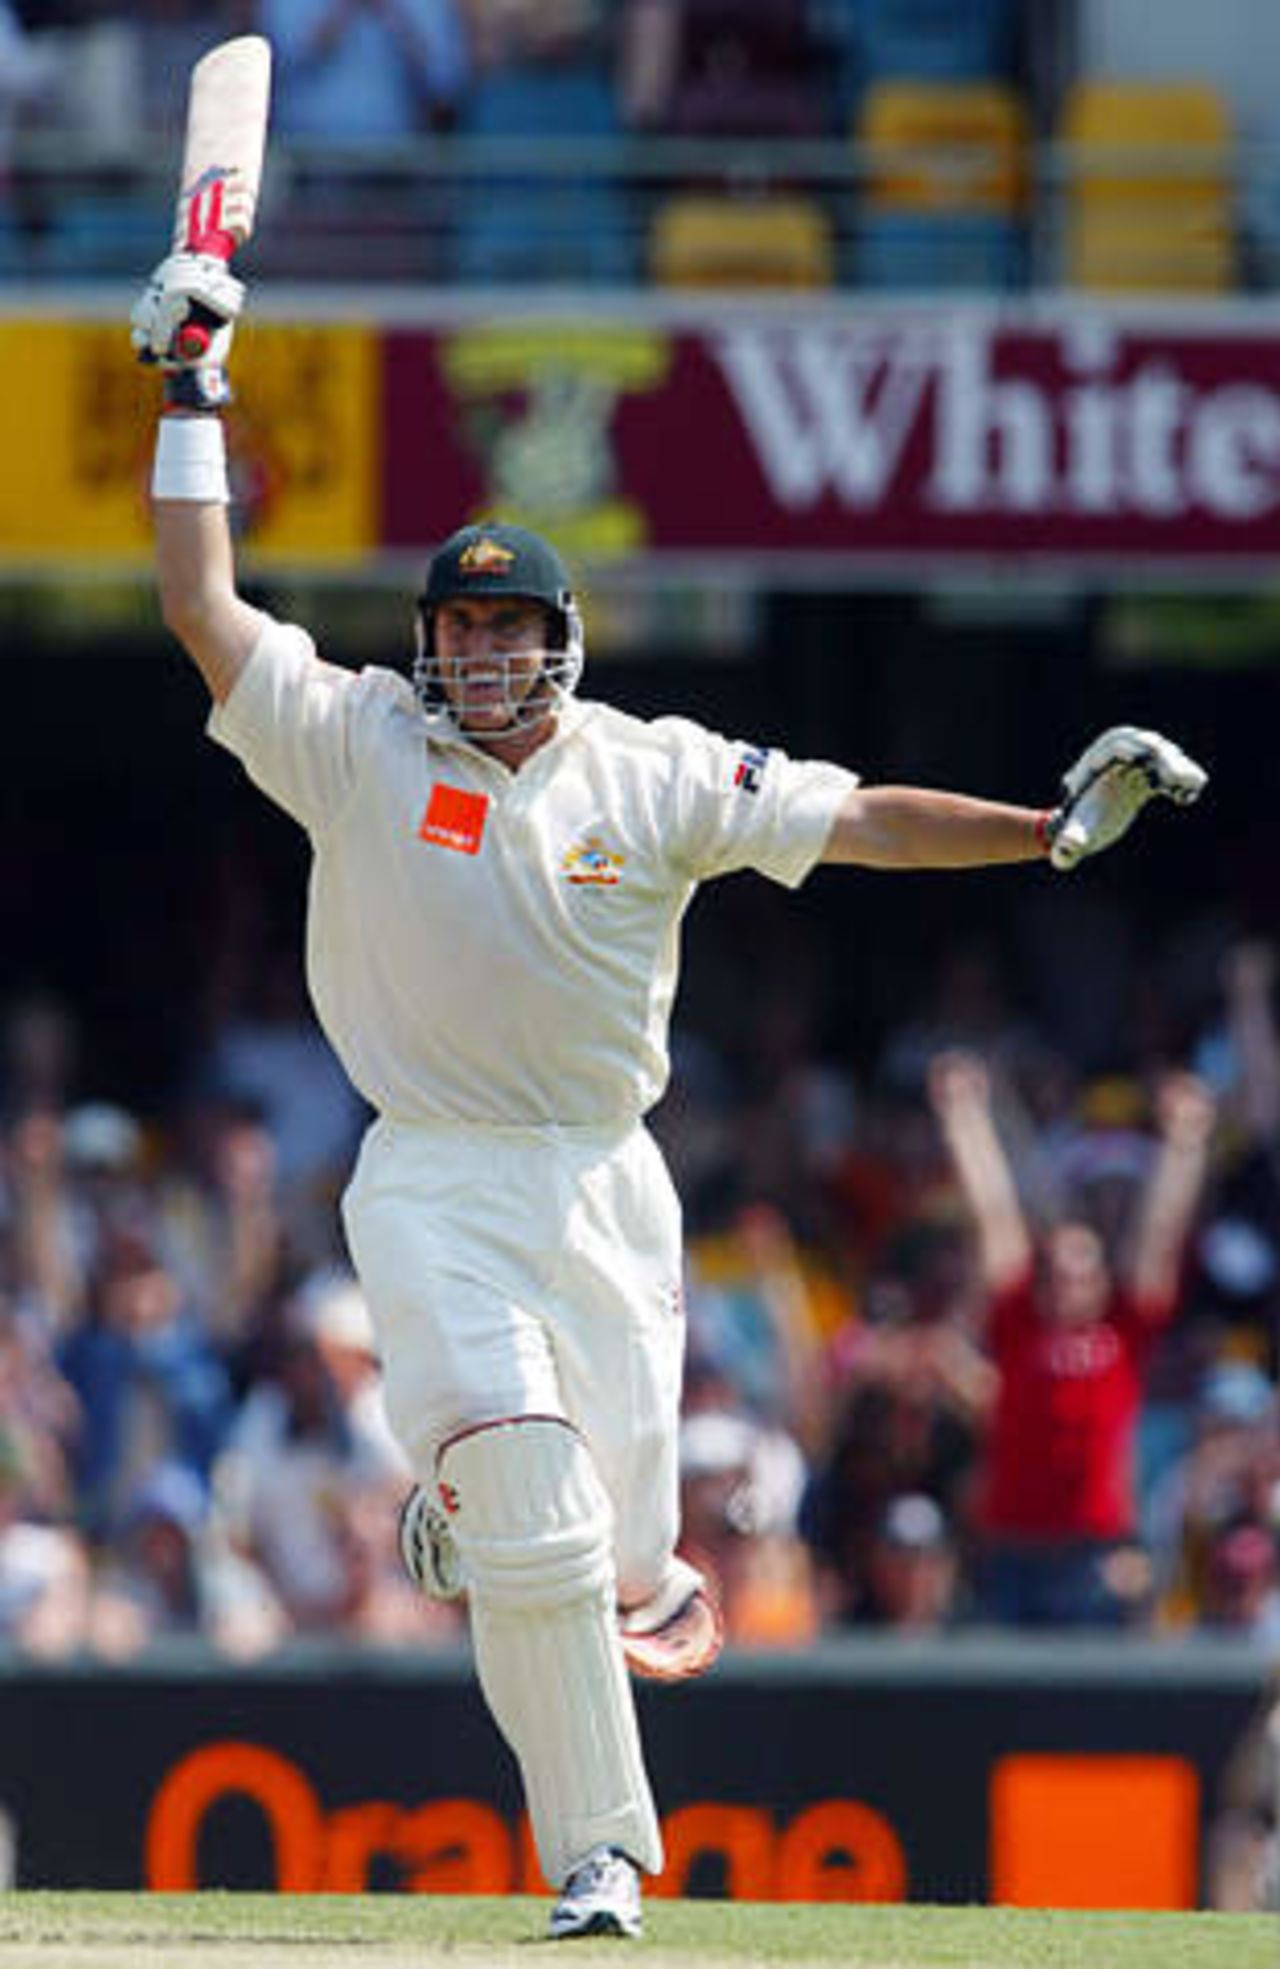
(705, 240)
(100, 236)
(1147, 198)
(574, 226)
(927, 40)
(748, 68)
(944, 186)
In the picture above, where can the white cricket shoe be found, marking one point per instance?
(427, 1550)
(600, 1897)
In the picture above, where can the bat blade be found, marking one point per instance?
(225, 139)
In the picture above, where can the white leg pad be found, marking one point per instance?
(533, 1529)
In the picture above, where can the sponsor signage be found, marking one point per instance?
(810, 1777)
(76, 440)
(828, 441)
(1068, 438)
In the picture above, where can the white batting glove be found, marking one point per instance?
(184, 320)
(1109, 785)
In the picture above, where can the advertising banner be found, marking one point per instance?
(920, 1774)
(829, 442)
(915, 438)
(77, 433)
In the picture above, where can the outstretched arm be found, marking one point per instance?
(1186, 1112)
(960, 1091)
(914, 827)
(1102, 794)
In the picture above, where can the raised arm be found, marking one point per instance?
(195, 565)
(1186, 1113)
(1102, 794)
(960, 1092)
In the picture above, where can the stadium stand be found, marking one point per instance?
(924, 40)
(946, 185)
(1148, 172)
(575, 226)
(703, 240)
(747, 68)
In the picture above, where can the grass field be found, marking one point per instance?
(281, 1931)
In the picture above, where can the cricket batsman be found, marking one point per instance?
(500, 870)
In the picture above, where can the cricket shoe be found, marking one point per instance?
(686, 1643)
(600, 1897)
(427, 1550)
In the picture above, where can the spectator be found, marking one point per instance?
(40, 1048)
(740, 1488)
(1244, 1833)
(169, 36)
(364, 70)
(1071, 1336)
(44, 1573)
(519, 33)
(45, 1268)
(150, 1384)
(913, 1404)
(39, 1415)
(1226, 1477)
(272, 1056)
(751, 1310)
(222, 1224)
(28, 76)
(1242, 1583)
(170, 1575)
(1240, 1250)
(305, 1448)
(913, 1571)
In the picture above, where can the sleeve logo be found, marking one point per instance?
(750, 769)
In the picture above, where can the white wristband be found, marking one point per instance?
(191, 461)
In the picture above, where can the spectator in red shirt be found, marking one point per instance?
(1071, 1334)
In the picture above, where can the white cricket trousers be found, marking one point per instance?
(531, 1271)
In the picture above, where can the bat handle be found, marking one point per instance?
(192, 340)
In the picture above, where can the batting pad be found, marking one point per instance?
(533, 1529)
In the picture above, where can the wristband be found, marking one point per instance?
(1047, 828)
(191, 461)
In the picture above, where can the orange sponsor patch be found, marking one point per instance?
(454, 818)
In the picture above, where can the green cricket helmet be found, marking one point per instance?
(491, 559)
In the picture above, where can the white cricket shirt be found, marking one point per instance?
(497, 947)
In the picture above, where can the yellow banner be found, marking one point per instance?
(77, 421)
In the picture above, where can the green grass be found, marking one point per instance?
(252, 1931)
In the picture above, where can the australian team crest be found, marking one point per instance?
(590, 863)
(485, 556)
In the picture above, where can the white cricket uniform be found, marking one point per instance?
(493, 957)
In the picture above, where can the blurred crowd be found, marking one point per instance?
(380, 70)
(977, 1336)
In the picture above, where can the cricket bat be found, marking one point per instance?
(226, 135)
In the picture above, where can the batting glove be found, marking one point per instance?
(184, 321)
(1109, 785)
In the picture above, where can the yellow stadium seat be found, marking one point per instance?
(705, 240)
(1147, 188)
(943, 147)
